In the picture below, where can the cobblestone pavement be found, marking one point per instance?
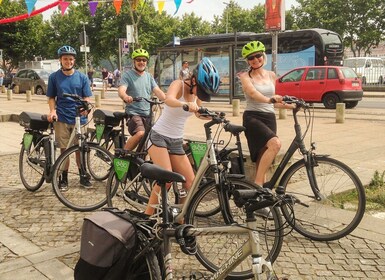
(38, 217)
(39, 237)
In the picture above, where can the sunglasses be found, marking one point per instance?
(258, 55)
(141, 60)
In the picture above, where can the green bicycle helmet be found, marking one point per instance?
(140, 53)
(252, 47)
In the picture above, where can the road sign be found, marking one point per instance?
(83, 35)
(125, 46)
(130, 33)
(84, 49)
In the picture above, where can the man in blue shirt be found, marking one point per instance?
(63, 109)
(137, 82)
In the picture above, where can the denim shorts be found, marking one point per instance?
(173, 145)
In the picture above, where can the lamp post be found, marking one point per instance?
(227, 17)
(85, 43)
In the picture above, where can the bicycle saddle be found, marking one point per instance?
(155, 172)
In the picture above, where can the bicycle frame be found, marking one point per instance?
(249, 248)
(308, 155)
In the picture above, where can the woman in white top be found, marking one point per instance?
(259, 119)
(166, 137)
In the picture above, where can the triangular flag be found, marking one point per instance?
(177, 4)
(63, 6)
(30, 5)
(160, 6)
(134, 4)
(117, 5)
(93, 6)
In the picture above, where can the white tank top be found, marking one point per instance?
(172, 120)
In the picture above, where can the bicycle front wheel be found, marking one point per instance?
(213, 250)
(32, 161)
(129, 194)
(339, 207)
(78, 196)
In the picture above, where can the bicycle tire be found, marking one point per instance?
(323, 220)
(78, 197)
(146, 267)
(210, 247)
(31, 166)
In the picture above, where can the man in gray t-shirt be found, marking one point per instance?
(137, 82)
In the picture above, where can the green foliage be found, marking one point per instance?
(360, 23)
(378, 180)
(19, 40)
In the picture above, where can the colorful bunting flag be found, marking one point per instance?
(93, 6)
(177, 4)
(160, 6)
(117, 5)
(30, 5)
(63, 7)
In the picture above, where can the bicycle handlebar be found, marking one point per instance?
(84, 103)
(153, 101)
(294, 100)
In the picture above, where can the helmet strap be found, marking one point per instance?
(66, 69)
(255, 68)
(191, 85)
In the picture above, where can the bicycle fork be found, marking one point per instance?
(310, 163)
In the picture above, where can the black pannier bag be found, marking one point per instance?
(107, 247)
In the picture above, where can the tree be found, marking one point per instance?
(19, 40)
(360, 23)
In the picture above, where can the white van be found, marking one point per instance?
(370, 69)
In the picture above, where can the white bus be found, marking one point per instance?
(370, 69)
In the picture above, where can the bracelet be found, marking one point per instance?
(272, 100)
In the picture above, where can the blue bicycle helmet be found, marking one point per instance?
(66, 50)
(207, 78)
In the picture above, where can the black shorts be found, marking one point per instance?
(260, 128)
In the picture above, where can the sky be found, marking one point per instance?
(206, 9)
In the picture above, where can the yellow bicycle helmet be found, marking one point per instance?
(252, 47)
(140, 53)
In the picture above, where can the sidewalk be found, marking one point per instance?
(39, 237)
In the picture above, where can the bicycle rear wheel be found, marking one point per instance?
(32, 161)
(213, 250)
(146, 266)
(77, 196)
(336, 214)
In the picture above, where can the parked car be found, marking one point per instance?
(36, 78)
(371, 70)
(322, 84)
(98, 82)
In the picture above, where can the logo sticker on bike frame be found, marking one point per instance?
(99, 131)
(198, 150)
(121, 168)
(27, 140)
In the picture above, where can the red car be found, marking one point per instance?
(322, 84)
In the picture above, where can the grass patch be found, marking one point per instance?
(375, 195)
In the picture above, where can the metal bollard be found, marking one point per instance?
(282, 113)
(9, 94)
(340, 112)
(236, 106)
(28, 95)
(97, 100)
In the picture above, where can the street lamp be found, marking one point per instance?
(227, 17)
(85, 43)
